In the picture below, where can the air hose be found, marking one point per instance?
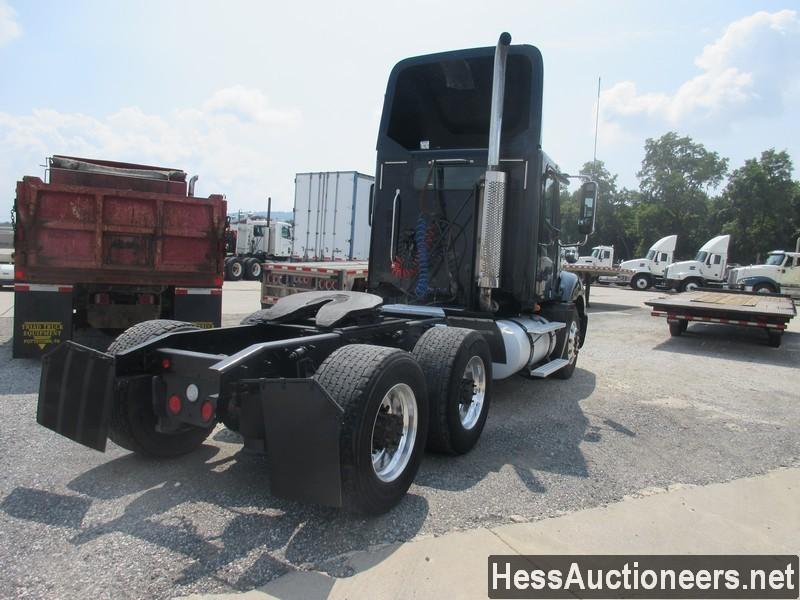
(423, 256)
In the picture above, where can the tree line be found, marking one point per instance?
(681, 192)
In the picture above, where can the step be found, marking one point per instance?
(539, 327)
(549, 368)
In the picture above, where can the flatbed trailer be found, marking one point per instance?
(591, 273)
(770, 312)
(281, 279)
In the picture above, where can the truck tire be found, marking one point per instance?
(379, 455)
(774, 338)
(252, 269)
(764, 288)
(457, 364)
(641, 282)
(568, 344)
(676, 328)
(690, 285)
(133, 421)
(234, 269)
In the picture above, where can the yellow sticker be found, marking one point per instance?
(203, 324)
(42, 333)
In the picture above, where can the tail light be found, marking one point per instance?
(19, 273)
(174, 404)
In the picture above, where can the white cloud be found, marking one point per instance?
(9, 28)
(749, 70)
(230, 140)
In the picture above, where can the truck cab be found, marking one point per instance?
(649, 270)
(601, 256)
(264, 238)
(707, 268)
(779, 274)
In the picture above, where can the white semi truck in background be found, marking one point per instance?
(780, 274)
(601, 256)
(256, 241)
(708, 269)
(644, 273)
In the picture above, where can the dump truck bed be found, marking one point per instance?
(70, 234)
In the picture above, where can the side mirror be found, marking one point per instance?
(586, 218)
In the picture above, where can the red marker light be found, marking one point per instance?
(174, 404)
(207, 411)
(165, 363)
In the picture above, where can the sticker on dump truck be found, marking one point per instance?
(42, 333)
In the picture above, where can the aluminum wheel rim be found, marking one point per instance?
(256, 270)
(690, 287)
(390, 463)
(641, 283)
(236, 269)
(470, 413)
(572, 342)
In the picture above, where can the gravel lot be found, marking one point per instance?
(643, 412)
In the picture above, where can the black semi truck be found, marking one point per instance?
(345, 390)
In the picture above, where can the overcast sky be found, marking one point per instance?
(246, 94)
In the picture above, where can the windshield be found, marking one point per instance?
(596, 252)
(775, 259)
(650, 254)
(701, 257)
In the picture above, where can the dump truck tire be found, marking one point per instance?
(449, 356)
(377, 466)
(133, 421)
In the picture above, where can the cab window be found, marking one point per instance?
(717, 259)
(663, 257)
(258, 231)
(551, 199)
(286, 232)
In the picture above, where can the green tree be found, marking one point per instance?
(760, 206)
(674, 180)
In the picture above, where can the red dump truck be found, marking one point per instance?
(105, 245)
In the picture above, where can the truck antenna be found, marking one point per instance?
(596, 123)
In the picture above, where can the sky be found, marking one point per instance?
(246, 94)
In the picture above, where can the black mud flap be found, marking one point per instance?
(75, 393)
(302, 425)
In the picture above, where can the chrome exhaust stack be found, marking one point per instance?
(493, 198)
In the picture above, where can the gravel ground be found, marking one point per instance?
(643, 412)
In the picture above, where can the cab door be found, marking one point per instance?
(549, 250)
(790, 276)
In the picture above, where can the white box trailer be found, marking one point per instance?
(331, 216)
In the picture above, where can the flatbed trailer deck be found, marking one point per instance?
(591, 273)
(771, 312)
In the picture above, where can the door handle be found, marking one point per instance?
(394, 216)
